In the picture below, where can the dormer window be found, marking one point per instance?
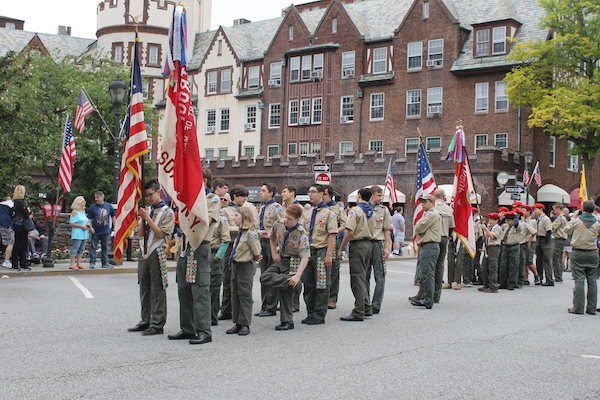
(499, 40)
(490, 43)
(483, 42)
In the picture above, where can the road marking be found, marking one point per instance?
(588, 356)
(83, 289)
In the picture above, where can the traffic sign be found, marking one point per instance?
(515, 197)
(514, 189)
(323, 178)
(321, 167)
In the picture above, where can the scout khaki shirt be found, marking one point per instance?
(359, 224)
(221, 232)
(325, 224)
(514, 236)
(429, 227)
(584, 238)
(340, 214)
(446, 214)
(297, 243)
(382, 221)
(214, 206)
(248, 246)
(544, 225)
(165, 223)
(558, 227)
(528, 231)
(273, 212)
(497, 235)
(533, 223)
(230, 212)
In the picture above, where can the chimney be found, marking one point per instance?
(64, 30)
(240, 21)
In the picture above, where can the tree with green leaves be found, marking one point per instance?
(559, 78)
(36, 93)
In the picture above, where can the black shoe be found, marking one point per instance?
(265, 313)
(152, 331)
(351, 318)
(25, 269)
(244, 331)
(285, 326)
(138, 328)
(234, 329)
(420, 303)
(224, 317)
(502, 287)
(314, 321)
(526, 283)
(305, 320)
(201, 339)
(477, 283)
(214, 323)
(182, 335)
(510, 287)
(548, 283)
(376, 310)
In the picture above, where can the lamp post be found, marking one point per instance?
(117, 90)
(528, 160)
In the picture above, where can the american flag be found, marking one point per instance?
(84, 108)
(390, 186)
(537, 176)
(425, 183)
(134, 147)
(526, 176)
(65, 170)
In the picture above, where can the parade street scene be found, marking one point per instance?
(336, 199)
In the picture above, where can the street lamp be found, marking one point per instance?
(117, 90)
(528, 159)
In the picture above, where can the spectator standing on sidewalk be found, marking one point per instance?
(101, 217)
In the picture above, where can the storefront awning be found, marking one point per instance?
(550, 193)
(575, 201)
(386, 197)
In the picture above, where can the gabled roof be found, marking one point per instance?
(59, 46)
(201, 44)
(379, 17)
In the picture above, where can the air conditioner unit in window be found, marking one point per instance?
(274, 82)
(316, 75)
(210, 129)
(304, 120)
(346, 118)
(248, 127)
(348, 72)
(434, 110)
(434, 63)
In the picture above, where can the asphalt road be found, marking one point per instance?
(58, 344)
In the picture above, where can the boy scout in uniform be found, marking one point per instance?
(334, 289)
(509, 258)
(382, 247)
(321, 225)
(218, 247)
(154, 228)
(544, 245)
(584, 258)
(270, 212)
(291, 251)
(528, 232)
(193, 279)
(531, 244)
(428, 231)
(359, 233)
(560, 237)
(288, 197)
(493, 238)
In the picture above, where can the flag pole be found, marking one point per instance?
(96, 109)
(414, 189)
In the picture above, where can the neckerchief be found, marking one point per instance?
(588, 219)
(285, 238)
(262, 213)
(367, 208)
(322, 204)
(207, 191)
(332, 203)
(235, 245)
(160, 204)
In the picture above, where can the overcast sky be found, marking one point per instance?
(46, 15)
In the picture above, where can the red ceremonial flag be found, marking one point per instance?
(390, 186)
(84, 108)
(180, 166)
(134, 147)
(464, 195)
(65, 170)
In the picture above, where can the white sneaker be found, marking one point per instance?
(7, 264)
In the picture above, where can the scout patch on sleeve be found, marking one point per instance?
(351, 213)
(332, 215)
(253, 234)
(169, 213)
(279, 209)
(223, 219)
(429, 212)
(304, 237)
(214, 198)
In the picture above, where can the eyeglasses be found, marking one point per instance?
(313, 191)
(148, 195)
(223, 199)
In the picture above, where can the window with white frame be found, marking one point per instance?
(224, 122)
(377, 146)
(226, 81)
(552, 151)
(275, 76)
(272, 151)
(347, 109)
(223, 153)
(153, 54)
(435, 53)
(434, 101)
(482, 42)
(380, 60)
(118, 53)
(348, 64)
(501, 96)
(293, 118)
(211, 80)
(345, 147)
(211, 121)
(209, 153)
(315, 147)
(294, 69)
(433, 142)
(318, 62)
(481, 97)
(501, 140)
(250, 117)
(10, 25)
(377, 107)
(291, 32)
(292, 148)
(413, 103)
(249, 152)
(306, 67)
(481, 139)
(425, 10)
(303, 150)
(305, 111)
(145, 90)
(274, 115)
(253, 77)
(333, 25)
(317, 110)
(499, 40)
(220, 47)
(573, 158)
(415, 55)
(411, 145)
